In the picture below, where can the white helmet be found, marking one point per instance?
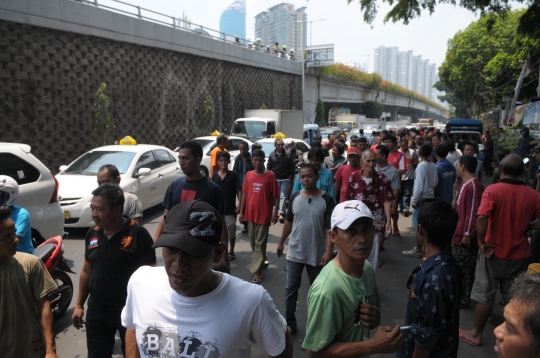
(9, 190)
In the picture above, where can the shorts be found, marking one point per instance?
(230, 222)
(493, 274)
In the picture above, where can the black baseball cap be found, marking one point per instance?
(192, 226)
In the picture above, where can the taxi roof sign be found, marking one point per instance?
(279, 135)
(127, 140)
(215, 133)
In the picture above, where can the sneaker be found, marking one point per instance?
(412, 253)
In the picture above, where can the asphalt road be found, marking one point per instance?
(391, 281)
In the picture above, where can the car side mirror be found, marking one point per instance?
(143, 171)
(63, 167)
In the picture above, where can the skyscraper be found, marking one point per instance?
(281, 24)
(386, 62)
(233, 20)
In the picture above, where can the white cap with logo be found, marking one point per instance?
(346, 213)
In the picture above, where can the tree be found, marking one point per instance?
(483, 63)
(103, 124)
(406, 10)
(372, 109)
(319, 113)
(208, 116)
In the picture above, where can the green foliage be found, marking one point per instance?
(372, 109)
(372, 81)
(208, 117)
(103, 124)
(510, 141)
(406, 10)
(483, 63)
(319, 113)
(263, 106)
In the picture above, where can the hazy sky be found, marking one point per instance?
(344, 27)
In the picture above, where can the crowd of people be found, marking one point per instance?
(337, 209)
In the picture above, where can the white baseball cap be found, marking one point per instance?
(346, 213)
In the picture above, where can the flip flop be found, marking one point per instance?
(232, 257)
(256, 280)
(466, 340)
(396, 233)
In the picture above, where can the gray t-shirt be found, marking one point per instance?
(132, 206)
(393, 176)
(311, 219)
(330, 162)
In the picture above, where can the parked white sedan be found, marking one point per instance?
(146, 171)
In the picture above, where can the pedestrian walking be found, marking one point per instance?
(446, 173)
(242, 165)
(336, 158)
(259, 208)
(407, 179)
(222, 142)
(185, 309)
(344, 173)
(114, 249)
(9, 193)
(282, 164)
(393, 175)
(26, 324)
(488, 154)
(465, 240)
(433, 303)
(229, 184)
(308, 219)
(326, 180)
(344, 302)
(504, 248)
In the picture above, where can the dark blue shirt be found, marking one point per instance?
(203, 189)
(433, 308)
(241, 168)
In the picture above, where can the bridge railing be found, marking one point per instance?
(185, 25)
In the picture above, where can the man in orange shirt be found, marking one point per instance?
(222, 140)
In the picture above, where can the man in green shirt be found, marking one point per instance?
(343, 302)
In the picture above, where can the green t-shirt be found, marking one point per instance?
(332, 301)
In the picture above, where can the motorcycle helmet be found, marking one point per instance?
(284, 48)
(9, 190)
(258, 40)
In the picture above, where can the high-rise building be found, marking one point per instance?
(284, 25)
(233, 20)
(406, 70)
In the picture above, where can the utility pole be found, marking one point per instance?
(538, 89)
(311, 29)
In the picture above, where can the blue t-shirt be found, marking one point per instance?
(203, 189)
(21, 218)
(447, 176)
(433, 308)
(325, 182)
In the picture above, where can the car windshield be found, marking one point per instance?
(90, 162)
(472, 136)
(267, 148)
(250, 129)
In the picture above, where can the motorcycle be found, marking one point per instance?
(51, 253)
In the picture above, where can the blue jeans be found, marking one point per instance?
(294, 280)
(405, 194)
(101, 329)
(284, 191)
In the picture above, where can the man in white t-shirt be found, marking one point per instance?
(186, 309)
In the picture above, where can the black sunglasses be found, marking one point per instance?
(412, 274)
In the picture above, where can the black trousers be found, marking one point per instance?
(101, 330)
(488, 168)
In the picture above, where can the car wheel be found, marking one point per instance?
(204, 171)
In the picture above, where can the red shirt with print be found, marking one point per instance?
(260, 191)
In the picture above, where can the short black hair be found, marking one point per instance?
(315, 153)
(390, 137)
(466, 143)
(259, 153)
(112, 193)
(223, 154)
(194, 147)
(469, 162)
(425, 150)
(113, 170)
(361, 131)
(362, 140)
(439, 220)
(317, 144)
(383, 150)
(442, 151)
(220, 138)
(244, 144)
(256, 146)
(340, 147)
(526, 291)
(512, 165)
(5, 213)
(330, 134)
(308, 166)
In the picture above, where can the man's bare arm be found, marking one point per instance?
(337, 190)
(420, 352)
(138, 220)
(161, 225)
(288, 351)
(84, 291)
(44, 308)
(132, 349)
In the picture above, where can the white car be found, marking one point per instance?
(209, 142)
(38, 190)
(268, 147)
(146, 171)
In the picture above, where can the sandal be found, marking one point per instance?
(232, 257)
(396, 233)
(406, 213)
(257, 279)
(412, 253)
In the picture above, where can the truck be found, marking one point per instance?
(261, 123)
(425, 122)
(348, 122)
(471, 128)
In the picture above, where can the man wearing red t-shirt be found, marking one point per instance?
(504, 218)
(260, 194)
(344, 173)
(397, 159)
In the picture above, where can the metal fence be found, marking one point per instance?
(186, 25)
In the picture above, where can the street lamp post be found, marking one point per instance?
(303, 74)
(311, 30)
